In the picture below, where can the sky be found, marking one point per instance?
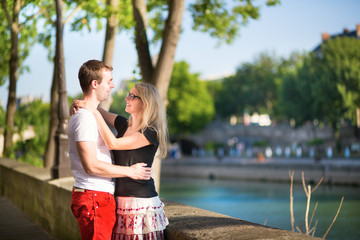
(294, 25)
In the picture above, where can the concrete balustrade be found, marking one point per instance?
(47, 203)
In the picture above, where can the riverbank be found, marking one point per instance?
(335, 171)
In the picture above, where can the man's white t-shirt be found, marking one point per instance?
(82, 127)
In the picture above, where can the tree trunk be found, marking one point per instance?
(61, 166)
(164, 67)
(141, 41)
(63, 108)
(13, 76)
(49, 155)
(161, 75)
(111, 26)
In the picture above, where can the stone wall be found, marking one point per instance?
(47, 202)
(276, 135)
(340, 172)
(43, 200)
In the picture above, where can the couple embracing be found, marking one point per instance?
(116, 201)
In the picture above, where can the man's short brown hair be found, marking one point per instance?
(91, 70)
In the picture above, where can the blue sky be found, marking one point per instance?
(295, 25)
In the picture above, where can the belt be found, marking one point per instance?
(76, 189)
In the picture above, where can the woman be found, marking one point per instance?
(139, 213)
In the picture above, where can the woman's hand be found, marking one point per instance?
(140, 171)
(77, 104)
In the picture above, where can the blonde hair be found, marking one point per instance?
(154, 115)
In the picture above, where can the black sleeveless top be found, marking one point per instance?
(128, 187)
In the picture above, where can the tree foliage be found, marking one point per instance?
(35, 116)
(20, 21)
(324, 87)
(341, 61)
(4, 48)
(191, 106)
(309, 94)
(222, 19)
(300, 87)
(253, 88)
(27, 26)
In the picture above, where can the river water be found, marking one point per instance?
(268, 203)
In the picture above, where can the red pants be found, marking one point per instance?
(95, 213)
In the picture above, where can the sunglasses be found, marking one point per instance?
(132, 96)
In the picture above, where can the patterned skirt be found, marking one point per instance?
(139, 219)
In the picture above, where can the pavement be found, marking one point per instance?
(15, 225)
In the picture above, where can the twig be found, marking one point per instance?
(291, 174)
(327, 231)
(313, 213)
(78, 8)
(318, 184)
(314, 228)
(307, 210)
(301, 227)
(303, 183)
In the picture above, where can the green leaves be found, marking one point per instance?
(341, 63)
(190, 106)
(309, 94)
(253, 88)
(221, 19)
(33, 116)
(342, 56)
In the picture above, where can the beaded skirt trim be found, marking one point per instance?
(139, 218)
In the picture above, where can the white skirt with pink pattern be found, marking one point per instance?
(139, 219)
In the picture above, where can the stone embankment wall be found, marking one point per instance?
(277, 136)
(47, 203)
(340, 171)
(283, 135)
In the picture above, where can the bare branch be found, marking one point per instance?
(314, 228)
(318, 184)
(301, 228)
(46, 14)
(30, 18)
(303, 183)
(313, 213)
(327, 231)
(78, 8)
(291, 174)
(307, 210)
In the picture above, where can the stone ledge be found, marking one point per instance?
(47, 202)
(188, 223)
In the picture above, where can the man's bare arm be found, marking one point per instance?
(91, 165)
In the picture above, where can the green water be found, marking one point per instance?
(268, 203)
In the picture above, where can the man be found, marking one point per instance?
(92, 202)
